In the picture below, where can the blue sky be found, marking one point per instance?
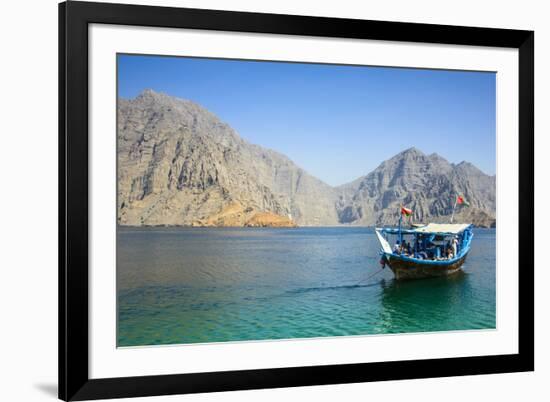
(336, 122)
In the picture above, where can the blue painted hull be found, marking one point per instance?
(412, 268)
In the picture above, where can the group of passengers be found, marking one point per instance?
(429, 251)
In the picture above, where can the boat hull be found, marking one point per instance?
(407, 269)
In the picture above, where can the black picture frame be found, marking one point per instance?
(74, 18)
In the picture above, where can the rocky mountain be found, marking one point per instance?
(427, 184)
(178, 164)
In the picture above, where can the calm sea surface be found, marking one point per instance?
(178, 285)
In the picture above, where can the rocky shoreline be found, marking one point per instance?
(237, 215)
(293, 225)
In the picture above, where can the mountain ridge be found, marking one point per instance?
(179, 164)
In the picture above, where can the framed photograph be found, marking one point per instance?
(256, 200)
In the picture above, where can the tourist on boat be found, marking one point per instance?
(431, 249)
(397, 248)
(455, 245)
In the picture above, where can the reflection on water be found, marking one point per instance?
(180, 285)
(453, 301)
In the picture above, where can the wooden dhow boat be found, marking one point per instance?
(423, 251)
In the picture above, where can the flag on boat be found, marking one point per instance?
(406, 211)
(461, 201)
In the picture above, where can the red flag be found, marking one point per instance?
(406, 211)
(460, 200)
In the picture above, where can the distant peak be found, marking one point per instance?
(412, 151)
(150, 96)
(466, 166)
(149, 93)
(436, 158)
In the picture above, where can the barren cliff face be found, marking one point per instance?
(178, 164)
(427, 184)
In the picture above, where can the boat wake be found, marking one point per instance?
(324, 288)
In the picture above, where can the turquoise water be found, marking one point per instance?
(189, 285)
